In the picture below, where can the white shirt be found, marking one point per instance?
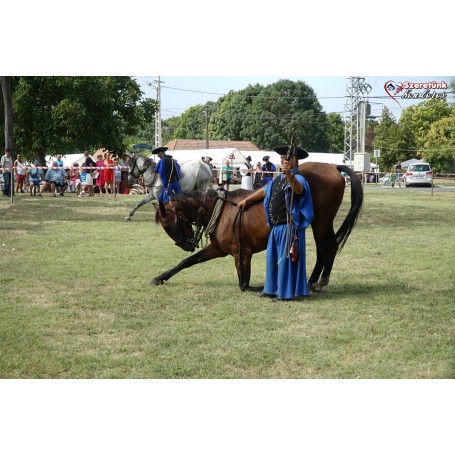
(247, 180)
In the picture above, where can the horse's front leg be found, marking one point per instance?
(243, 266)
(143, 202)
(206, 254)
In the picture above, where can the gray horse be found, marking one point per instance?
(195, 175)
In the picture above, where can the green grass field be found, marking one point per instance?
(75, 299)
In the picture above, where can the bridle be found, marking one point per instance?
(140, 172)
(198, 223)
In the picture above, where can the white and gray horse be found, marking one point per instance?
(195, 175)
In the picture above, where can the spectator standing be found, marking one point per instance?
(257, 176)
(35, 177)
(19, 172)
(268, 169)
(226, 173)
(56, 177)
(117, 175)
(100, 168)
(6, 163)
(59, 161)
(108, 173)
(246, 170)
(89, 167)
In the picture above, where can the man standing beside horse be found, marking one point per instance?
(289, 211)
(169, 171)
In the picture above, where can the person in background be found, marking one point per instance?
(169, 170)
(108, 173)
(226, 174)
(268, 169)
(257, 176)
(75, 178)
(19, 172)
(56, 178)
(117, 175)
(35, 178)
(6, 163)
(59, 161)
(100, 168)
(89, 167)
(289, 211)
(246, 170)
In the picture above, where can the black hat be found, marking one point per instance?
(159, 150)
(300, 153)
(248, 158)
(266, 158)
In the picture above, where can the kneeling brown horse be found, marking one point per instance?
(241, 234)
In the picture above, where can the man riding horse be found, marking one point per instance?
(169, 171)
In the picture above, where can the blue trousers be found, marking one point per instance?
(7, 187)
(283, 277)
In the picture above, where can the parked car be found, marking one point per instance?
(419, 174)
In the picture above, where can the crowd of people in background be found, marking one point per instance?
(250, 177)
(105, 173)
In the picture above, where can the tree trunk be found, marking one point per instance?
(5, 82)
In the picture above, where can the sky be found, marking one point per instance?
(179, 93)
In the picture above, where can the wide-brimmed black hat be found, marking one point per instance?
(266, 158)
(159, 150)
(248, 158)
(299, 152)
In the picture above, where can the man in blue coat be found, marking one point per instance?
(289, 211)
(169, 171)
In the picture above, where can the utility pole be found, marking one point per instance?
(206, 109)
(157, 85)
(353, 127)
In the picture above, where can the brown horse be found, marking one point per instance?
(241, 234)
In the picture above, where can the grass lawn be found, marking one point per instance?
(75, 299)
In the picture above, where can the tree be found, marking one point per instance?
(68, 114)
(5, 82)
(192, 124)
(228, 121)
(335, 132)
(439, 148)
(416, 120)
(387, 139)
(284, 109)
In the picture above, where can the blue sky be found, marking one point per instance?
(181, 92)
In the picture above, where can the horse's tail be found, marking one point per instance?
(356, 205)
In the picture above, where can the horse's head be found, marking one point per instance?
(176, 227)
(137, 165)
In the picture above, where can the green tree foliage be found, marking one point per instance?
(192, 123)
(335, 132)
(416, 120)
(232, 113)
(283, 109)
(67, 114)
(387, 139)
(440, 144)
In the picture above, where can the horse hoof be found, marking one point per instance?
(314, 287)
(127, 218)
(156, 282)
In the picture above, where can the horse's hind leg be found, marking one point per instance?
(329, 260)
(326, 249)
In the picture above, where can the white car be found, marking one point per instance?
(419, 174)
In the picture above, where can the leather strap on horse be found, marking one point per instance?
(219, 204)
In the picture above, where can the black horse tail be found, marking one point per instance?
(356, 206)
